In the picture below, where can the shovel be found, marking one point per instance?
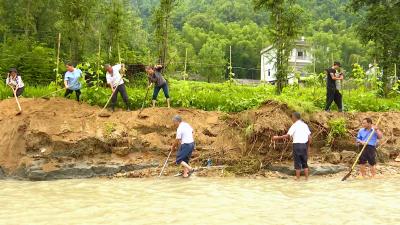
(104, 114)
(144, 100)
(46, 96)
(16, 99)
(362, 150)
(165, 163)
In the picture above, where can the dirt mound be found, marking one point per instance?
(64, 131)
(57, 137)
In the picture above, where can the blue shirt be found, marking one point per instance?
(72, 79)
(363, 135)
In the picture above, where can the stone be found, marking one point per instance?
(120, 151)
(326, 150)
(2, 174)
(81, 170)
(333, 157)
(348, 156)
(318, 170)
(326, 170)
(383, 155)
(211, 132)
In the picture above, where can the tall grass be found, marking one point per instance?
(227, 97)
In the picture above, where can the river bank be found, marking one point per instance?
(62, 139)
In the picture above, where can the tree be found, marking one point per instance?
(75, 19)
(162, 23)
(212, 63)
(382, 26)
(287, 23)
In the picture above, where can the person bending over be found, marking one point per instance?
(15, 82)
(302, 141)
(116, 82)
(155, 77)
(184, 142)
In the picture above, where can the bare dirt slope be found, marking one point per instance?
(62, 135)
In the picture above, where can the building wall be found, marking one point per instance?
(296, 60)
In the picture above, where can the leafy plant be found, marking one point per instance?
(337, 128)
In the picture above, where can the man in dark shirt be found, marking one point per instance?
(332, 93)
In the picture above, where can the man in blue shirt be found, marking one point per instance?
(369, 154)
(71, 81)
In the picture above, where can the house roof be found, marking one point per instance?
(302, 42)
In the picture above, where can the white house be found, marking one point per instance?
(300, 57)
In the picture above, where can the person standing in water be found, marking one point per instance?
(185, 143)
(302, 140)
(14, 80)
(71, 81)
(116, 82)
(369, 153)
(154, 75)
(332, 92)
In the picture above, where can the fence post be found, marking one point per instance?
(98, 60)
(231, 74)
(58, 56)
(185, 74)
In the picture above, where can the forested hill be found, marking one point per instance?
(204, 28)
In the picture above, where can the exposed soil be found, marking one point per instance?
(56, 134)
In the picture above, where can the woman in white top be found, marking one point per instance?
(14, 80)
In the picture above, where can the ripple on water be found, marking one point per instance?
(200, 201)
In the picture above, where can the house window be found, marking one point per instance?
(300, 54)
(269, 72)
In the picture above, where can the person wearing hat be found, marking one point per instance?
(184, 142)
(332, 92)
(71, 81)
(14, 80)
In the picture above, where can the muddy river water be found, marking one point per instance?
(200, 201)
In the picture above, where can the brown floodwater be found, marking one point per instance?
(200, 201)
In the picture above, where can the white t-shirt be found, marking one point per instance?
(15, 82)
(116, 78)
(185, 133)
(299, 131)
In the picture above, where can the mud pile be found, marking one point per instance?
(60, 138)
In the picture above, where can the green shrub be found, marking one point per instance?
(337, 128)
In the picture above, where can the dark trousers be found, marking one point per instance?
(157, 89)
(69, 92)
(121, 89)
(333, 95)
(19, 91)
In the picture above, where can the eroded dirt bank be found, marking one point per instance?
(58, 138)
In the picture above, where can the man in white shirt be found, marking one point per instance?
(302, 141)
(116, 82)
(185, 143)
